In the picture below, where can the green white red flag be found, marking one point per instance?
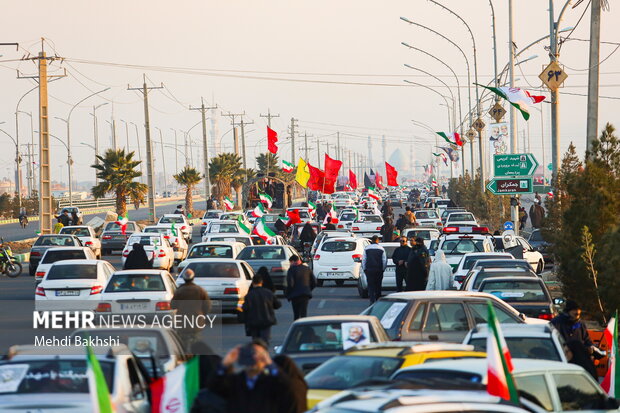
(263, 230)
(372, 193)
(311, 208)
(122, 222)
(500, 382)
(242, 226)
(452, 139)
(518, 98)
(259, 211)
(97, 385)
(287, 166)
(176, 391)
(265, 199)
(228, 203)
(611, 382)
(434, 183)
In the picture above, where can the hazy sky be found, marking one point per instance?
(232, 43)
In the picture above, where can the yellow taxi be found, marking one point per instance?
(377, 362)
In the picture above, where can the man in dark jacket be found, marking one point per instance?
(259, 310)
(374, 263)
(190, 300)
(329, 226)
(400, 257)
(537, 214)
(300, 282)
(418, 264)
(401, 222)
(387, 230)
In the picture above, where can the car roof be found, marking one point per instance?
(56, 235)
(265, 246)
(475, 366)
(411, 347)
(77, 262)
(489, 254)
(345, 238)
(171, 215)
(72, 248)
(510, 270)
(516, 330)
(213, 260)
(390, 244)
(147, 272)
(22, 351)
(224, 221)
(210, 235)
(218, 244)
(512, 278)
(146, 234)
(75, 226)
(417, 295)
(334, 318)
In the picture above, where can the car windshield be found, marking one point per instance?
(461, 217)
(72, 272)
(540, 348)
(113, 226)
(213, 269)
(211, 251)
(426, 215)
(536, 236)
(50, 376)
(468, 262)
(371, 218)
(171, 220)
(304, 214)
(462, 246)
(144, 240)
(338, 246)
(390, 313)
(447, 376)
(224, 228)
(244, 240)
(515, 291)
(55, 241)
(211, 215)
(483, 275)
(348, 216)
(503, 263)
(344, 372)
(157, 230)
(78, 232)
(126, 283)
(424, 234)
(314, 337)
(53, 256)
(262, 253)
(142, 343)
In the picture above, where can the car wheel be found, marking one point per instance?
(339, 283)
(539, 267)
(319, 283)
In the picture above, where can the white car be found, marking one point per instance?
(323, 235)
(533, 257)
(138, 292)
(244, 238)
(235, 216)
(156, 246)
(426, 233)
(221, 249)
(342, 199)
(222, 226)
(428, 218)
(346, 219)
(458, 241)
(389, 275)
(207, 217)
(178, 242)
(367, 225)
(225, 280)
(180, 223)
(468, 261)
(87, 235)
(475, 277)
(368, 201)
(461, 218)
(339, 259)
(73, 283)
(57, 254)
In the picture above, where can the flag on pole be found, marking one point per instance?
(263, 230)
(317, 178)
(392, 174)
(352, 180)
(265, 199)
(311, 208)
(259, 211)
(97, 385)
(122, 221)
(303, 173)
(242, 226)
(517, 97)
(332, 167)
(372, 193)
(293, 217)
(500, 382)
(434, 183)
(176, 390)
(610, 383)
(287, 166)
(452, 139)
(173, 230)
(228, 203)
(272, 139)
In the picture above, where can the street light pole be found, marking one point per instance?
(18, 175)
(96, 135)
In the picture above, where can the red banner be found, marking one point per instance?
(317, 178)
(391, 174)
(352, 180)
(332, 167)
(272, 139)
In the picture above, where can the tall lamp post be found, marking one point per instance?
(18, 175)
(30, 148)
(17, 162)
(96, 135)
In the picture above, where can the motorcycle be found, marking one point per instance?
(8, 264)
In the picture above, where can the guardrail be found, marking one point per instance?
(88, 203)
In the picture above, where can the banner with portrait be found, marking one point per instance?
(499, 141)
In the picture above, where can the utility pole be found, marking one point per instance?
(242, 123)
(163, 161)
(306, 145)
(149, 148)
(205, 147)
(233, 116)
(318, 153)
(514, 139)
(555, 95)
(293, 125)
(593, 72)
(338, 156)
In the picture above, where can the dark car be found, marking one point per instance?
(112, 238)
(528, 295)
(296, 232)
(45, 242)
(273, 257)
(539, 244)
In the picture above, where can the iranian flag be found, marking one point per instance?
(263, 230)
(122, 221)
(372, 193)
(259, 211)
(311, 208)
(287, 166)
(228, 203)
(500, 382)
(266, 199)
(452, 139)
(242, 226)
(97, 386)
(434, 183)
(176, 391)
(518, 98)
(610, 383)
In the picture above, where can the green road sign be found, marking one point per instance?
(511, 186)
(515, 164)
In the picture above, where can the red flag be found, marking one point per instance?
(293, 217)
(272, 139)
(317, 178)
(332, 167)
(391, 174)
(329, 186)
(379, 181)
(352, 180)
(458, 139)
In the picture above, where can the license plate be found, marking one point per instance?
(119, 237)
(368, 234)
(134, 306)
(390, 269)
(336, 274)
(67, 293)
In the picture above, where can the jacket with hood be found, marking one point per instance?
(440, 275)
(374, 258)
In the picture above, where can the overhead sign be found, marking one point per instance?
(497, 112)
(509, 226)
(553, 76)
(514, 164)
(511, 186)
(478, 125)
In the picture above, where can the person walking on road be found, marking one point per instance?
(137, 259)
(417, 265)
(522, 218)
(267, 281)
(190, 300)
(537, 214)
(374, 263)
(387, 230)
(300, 282)
(399, 258)
(440, 275)
(329, 226)
(410, 217)
(259, 310)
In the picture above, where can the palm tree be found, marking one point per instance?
(188, 177)
(223, 169)
(267, 162)
(116, 171)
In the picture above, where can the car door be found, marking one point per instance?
(577, 391)
(478, 312)
(535, 387)
(445, 321)
(528, 252)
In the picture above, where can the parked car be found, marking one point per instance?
(311, 341)
(112, 237)
(221, 249)
(45, 242)
(458, 241)
(177, 242)
(445, 212)
(500, 263)
(389, 275)
(275, 240)
(86, 235)
(180, 223)
(222, 226)
(156, 246)
(53, 255)
(528, 295)
(273, 257)
(476, 277)
(324, 235)
(339, 260)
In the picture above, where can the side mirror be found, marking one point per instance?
(522, 316)
(558, 301)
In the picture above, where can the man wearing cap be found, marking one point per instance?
(190, 300)
(374, 263)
